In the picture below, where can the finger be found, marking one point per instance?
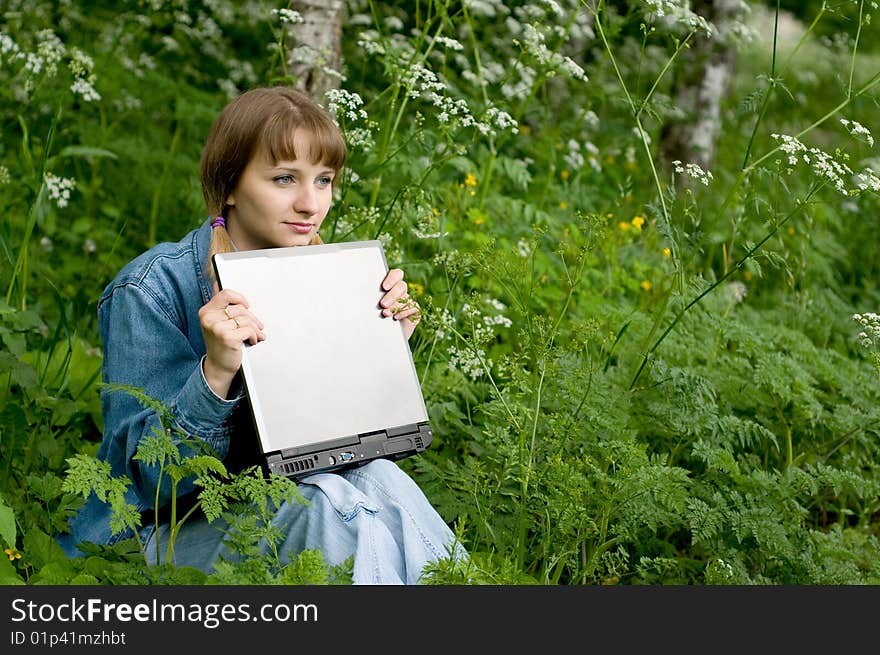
(229, 297)
(409, 325)
(393, 276)
(397, 292)
(240, 330)
(410, 313)
(242, 314)
(253, 328)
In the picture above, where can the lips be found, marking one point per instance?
(300, 227)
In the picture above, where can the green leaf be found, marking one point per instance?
(56, 572)
(8, 574)
(41, 549)
(7, 525)
(86, 151)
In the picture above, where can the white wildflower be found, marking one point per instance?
(488, 8)
(736, 291)
(59, 188)
(858, 130)
(869, 337)
(82, 87)
(468, 361)
(573, 157)
(287, 16)
(448, 43)
(347, 104)
(693, 171)
(50, 50)
(443, 323)
(868, 180)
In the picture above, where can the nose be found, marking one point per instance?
(306, 200)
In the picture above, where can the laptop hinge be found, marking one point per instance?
(403, 429)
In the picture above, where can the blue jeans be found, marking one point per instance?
(375, 512)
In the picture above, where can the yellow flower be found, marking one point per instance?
(667, 252)
(791, 230)
(525, 129)
(638, 221)
(564, 173)
(609, 159)
(436, 211)
(623, 225)
(563, 205)
(631, 165)
(472, 193)
(646, 285)
(415, 288)
(747, 275)
(12, 554)
(478, 220)
(470, 180)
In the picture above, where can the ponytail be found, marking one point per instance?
(220, 241)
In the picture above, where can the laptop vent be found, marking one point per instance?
(418, 442)
(299, 465)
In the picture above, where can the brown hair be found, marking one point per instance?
(263, 120)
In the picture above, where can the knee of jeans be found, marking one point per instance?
(345, 498)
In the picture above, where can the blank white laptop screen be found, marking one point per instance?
(331, 365)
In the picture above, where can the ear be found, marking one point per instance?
(230, 201)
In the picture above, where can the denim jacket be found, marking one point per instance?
(152, 340)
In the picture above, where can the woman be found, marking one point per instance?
(267, 175)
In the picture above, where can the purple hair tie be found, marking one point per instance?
(219, 222)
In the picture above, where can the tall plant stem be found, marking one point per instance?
(20, 268)
(525, 464)
(152, 230)
(637, 115)
(394, 117)
(852, 64)
(773, 77)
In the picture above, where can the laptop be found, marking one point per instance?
(333, 385)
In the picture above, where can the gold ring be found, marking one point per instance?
(226, 311)
(232, 318)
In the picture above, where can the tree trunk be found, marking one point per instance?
(705, 73)
(314, 46)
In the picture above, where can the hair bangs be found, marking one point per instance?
(291, 135)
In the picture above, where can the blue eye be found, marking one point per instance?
(284, 179)
(324, 180)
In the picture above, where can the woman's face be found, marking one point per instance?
(277, 204)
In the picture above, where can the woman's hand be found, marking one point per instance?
(226, 323)
(397, 302)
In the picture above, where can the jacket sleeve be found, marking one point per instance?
(146, 346)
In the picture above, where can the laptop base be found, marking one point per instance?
(394, 444)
